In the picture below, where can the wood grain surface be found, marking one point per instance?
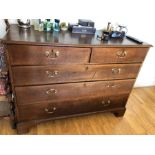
(34, 101)
(138, 119)
(36, 75)
(71, 91)
(47, 55)
(118, 55)
(20, 36)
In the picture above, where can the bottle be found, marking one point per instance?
(45, 24)
(48, 25)
(41, 25)
(36, 24)
(56, 26)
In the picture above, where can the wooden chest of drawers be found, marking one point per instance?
(63, 75)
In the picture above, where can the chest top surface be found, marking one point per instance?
(16, 35)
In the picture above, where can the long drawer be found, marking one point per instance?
(118, 55)
(70, 107)
(35, 75)
(46, 55)
(36, 94)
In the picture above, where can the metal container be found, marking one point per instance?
(24, 23)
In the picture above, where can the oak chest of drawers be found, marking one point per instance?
(58, 75)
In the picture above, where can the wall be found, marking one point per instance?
(135, 14)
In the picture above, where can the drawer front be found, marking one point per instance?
(33, 75)
(114, 71)
(50, 74)
(38, 55)
(118, 55)
(36, 94)
(70, 107)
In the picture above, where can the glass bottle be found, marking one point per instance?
(48, 25)
(36, 24)
(45, 24)
(41, 26)
(56, 26)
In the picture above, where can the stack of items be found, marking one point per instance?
(3, 74)
(83, 26)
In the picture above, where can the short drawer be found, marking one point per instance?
(71, 107)
(35, 75)
(36, 94)
(42, 55)
(118, 55)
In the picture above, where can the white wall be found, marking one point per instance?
(137, 15)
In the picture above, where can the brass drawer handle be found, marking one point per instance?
(52, 54)
(50, 111)
(51, 74)
(51, 91)
(106, 103)
(116, 70)
(121, 54)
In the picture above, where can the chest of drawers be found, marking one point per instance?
(63, 75)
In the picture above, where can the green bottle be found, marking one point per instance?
(48, 25)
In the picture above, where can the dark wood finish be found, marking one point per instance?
(118, 55)
(35, 75)
(24, 126)
(138, 120)
(17, 35)
(29, 94)
(47, 55)
(59, 75)
(119, 113)
(71, 107)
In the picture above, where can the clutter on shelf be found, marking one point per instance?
(113, 31)
(83, 26)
